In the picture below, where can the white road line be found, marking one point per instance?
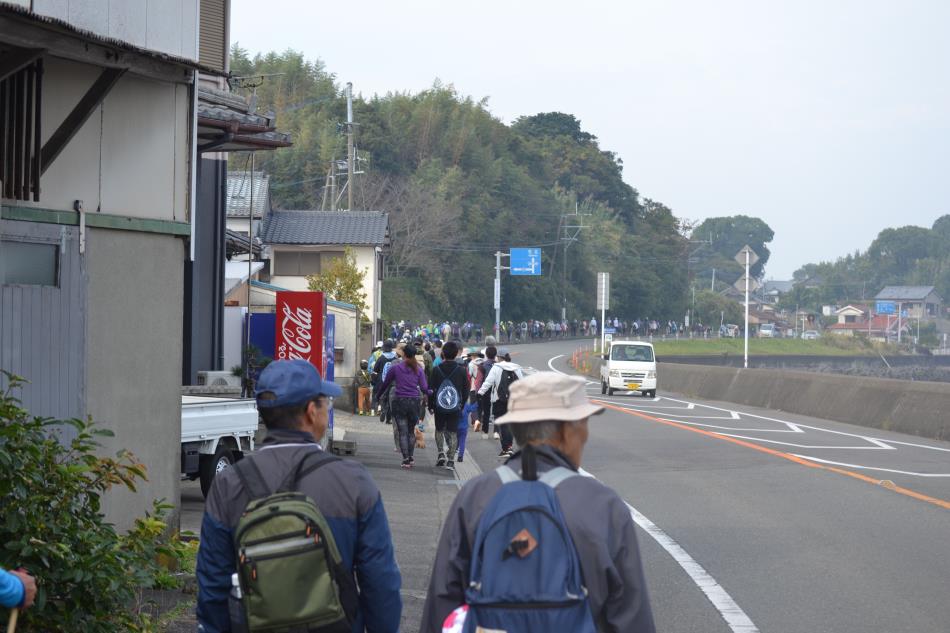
(885, 470)
(734, 616)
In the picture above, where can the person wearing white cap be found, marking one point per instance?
(549, 413)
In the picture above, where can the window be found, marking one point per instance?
(29, 264)
(640, 353)
(297, 263)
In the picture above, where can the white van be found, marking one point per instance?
(629, 366)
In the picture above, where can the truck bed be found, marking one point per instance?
(204, 418)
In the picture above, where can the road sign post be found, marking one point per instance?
(750, 258)
(524, 261)
(603, 304)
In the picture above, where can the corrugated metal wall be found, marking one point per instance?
(42, 328)
(211, 38)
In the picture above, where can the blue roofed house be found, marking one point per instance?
(918, 302)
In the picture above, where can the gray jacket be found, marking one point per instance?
(603, 532)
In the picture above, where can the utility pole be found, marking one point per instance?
(568, 238)
(498, 269)
(745, 363)
(349, 146)
(333, 185)
(712, 286)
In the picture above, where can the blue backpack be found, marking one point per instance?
(525, 574)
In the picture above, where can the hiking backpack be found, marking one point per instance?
(508, 376)
(525, 574)
(448, 400)
(290, 569)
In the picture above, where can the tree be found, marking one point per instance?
(727, 236)
(342, 281)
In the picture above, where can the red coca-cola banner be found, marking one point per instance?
(299, 326)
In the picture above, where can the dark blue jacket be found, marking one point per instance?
(349, 500)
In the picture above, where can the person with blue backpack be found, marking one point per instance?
(534, 545)
(449, 384)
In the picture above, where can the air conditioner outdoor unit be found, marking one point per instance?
(218, 379)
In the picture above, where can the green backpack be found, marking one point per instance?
(291, 572)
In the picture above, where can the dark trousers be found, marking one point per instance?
(484, 411)
(406, 416)
(505, 437)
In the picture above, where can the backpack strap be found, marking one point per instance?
(507, 474)
(556, 475)
(289, 484)
(251, 478)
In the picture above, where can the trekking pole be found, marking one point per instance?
(11, 624)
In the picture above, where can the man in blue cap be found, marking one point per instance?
(294, 404)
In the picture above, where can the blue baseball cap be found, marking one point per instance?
(294, 382)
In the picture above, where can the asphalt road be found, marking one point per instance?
(764, 521)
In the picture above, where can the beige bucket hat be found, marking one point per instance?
(548, 396)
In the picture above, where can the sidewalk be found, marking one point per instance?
(416, 503)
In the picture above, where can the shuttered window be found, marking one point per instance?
(211, 44)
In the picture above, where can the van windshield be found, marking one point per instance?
(639, 353)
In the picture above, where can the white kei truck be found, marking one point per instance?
(215, 433)
(629, 366)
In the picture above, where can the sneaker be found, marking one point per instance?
(496, 436)
(503, 453)
(406, 464)
(450, 465)
(441, 460)
(509, 452)
(412, 461)
(459, 460)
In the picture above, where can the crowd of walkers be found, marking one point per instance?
(458, 389)
(296, 539)
(540, 329)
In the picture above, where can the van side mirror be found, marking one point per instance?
(605, 356)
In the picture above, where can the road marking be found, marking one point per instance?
(942, 503)
(886, 470)
(734, 616)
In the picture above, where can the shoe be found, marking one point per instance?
(496, 436)
(441, 460)
(509, 452)
(503, 453)
(412, 461)
(405, 463)
(450, 465)
(459, 460)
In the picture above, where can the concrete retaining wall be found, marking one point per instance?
(916, 408)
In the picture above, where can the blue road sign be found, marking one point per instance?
(610, 330)
(885, 307)
(526, 261)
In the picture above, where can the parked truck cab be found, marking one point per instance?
(629, 366)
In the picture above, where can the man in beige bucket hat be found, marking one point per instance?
(550, 412)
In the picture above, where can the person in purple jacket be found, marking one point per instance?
(410, 383)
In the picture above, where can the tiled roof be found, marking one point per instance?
(904, 293)
(240, 184)
(326, 227)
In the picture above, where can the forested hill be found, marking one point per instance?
(460, 184)
(908, 255)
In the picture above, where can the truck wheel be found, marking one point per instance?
(603, 387)
(610, 391)
(651, 393)
(211, 465)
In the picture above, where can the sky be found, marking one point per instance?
(830, 120)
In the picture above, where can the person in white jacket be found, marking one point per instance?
(502, 372)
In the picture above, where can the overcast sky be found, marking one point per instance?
(830, 120)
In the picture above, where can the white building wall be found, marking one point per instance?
(167, 26)
(131, 157)
(365, 260)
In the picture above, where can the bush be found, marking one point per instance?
(89, 577)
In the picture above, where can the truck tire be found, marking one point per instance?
(211, 465)
(610, 391)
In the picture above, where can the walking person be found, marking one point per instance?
(449, 388)
(548, 414)
(363, 381)
(484, 398)
(350, 575)
(409, 384)
(466, 421)
(498, 382)
(386, 356)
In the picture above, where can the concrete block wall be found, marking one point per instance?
(916, 408)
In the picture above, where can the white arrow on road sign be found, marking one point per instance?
(740, 256)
